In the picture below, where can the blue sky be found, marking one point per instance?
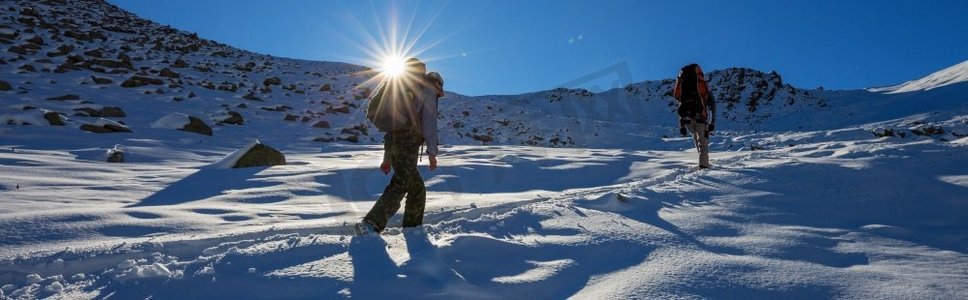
(510, 47)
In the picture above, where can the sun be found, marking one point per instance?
(393, 65)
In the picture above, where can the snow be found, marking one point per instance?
(232, 158)
(951, 75)
(592, 195)
(32, 117)
(172, 121)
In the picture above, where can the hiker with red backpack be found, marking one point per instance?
(405, 108)
(697, 109)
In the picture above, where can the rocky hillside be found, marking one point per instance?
(86, 65)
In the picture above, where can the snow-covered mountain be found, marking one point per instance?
(951, 75)
(561, 193)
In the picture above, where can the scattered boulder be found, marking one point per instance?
(350, 138)
(260, 155)
(28, 68)
(94, 53)
(882, 132)
(136, 81)
(54, 118)
(116, 155)
(112, 111)
(234, 119)
(183, 122)
(179, 63)
(927, 130)
(166, 72)
(106, 111)
(341, 109)
(326, 88)
(291, 118)
(114, 64)
(65, 97)
(105, 126)
(251, 97)
(483, 138)
(321, 124)
(61, 51)
(196, 125)
(101, 80)
(4, 86)
(272, 81)
(19, 50)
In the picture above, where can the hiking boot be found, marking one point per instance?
(365, 228)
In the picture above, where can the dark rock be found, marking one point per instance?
(291, 118)
(881, 132)
(234, 119)
(260, 155)
(4, 86)
(166, 72)
(196, 125)
(341, 109)
(94, 53)
(136, 81)
(324, 139)
(351, 139)
(112, 111)
(54, 118)
(18, 50)
(107, 128)
(65, 97)
(321, 124)
(484, 138)
(61, 51)
(326, 88)
(36, 40)
(179, 63)
(28, 68)
(252, 97)
(86, 112)
(114, 64)
(116, 157)
(272, 81)
(100, 80)
(927, 130)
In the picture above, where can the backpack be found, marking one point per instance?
(692, 92)
(393, 107)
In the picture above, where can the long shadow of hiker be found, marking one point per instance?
(372, 267)
(203, 184)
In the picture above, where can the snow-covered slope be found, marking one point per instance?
(553, 194)
(951, 75)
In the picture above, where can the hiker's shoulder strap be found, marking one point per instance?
(701, 84)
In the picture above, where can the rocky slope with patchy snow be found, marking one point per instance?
(83, 64)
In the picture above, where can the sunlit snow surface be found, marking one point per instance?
(839, 214)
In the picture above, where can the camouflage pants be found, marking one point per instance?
(700, 136)
(402, 149)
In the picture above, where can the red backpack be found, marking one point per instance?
(691, 91)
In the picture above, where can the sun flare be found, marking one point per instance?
(393, 65)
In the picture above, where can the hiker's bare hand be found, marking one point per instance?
(433, 162)
(385, 167)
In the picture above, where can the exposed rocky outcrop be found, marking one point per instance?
(260, 155)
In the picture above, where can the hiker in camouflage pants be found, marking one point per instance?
(402, 150)
(402, 146)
